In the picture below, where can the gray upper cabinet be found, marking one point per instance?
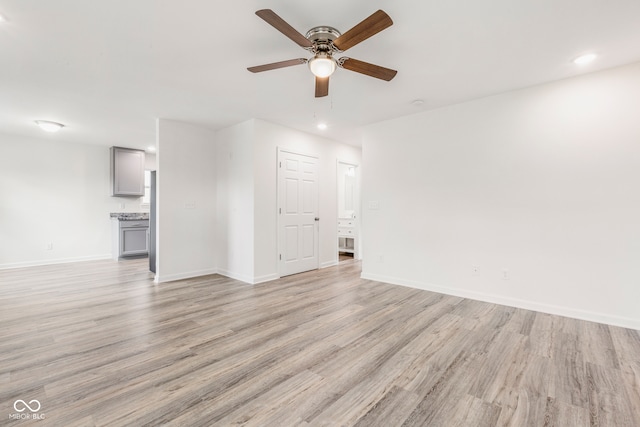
(127, 172)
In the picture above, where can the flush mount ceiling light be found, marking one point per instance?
(48, 126)
(585, 59)
(322, 126)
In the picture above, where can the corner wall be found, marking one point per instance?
(186, 197)
(268, 138)
(235, 208)
(247, 218)
(529, 199)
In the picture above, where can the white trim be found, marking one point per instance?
(186, 275)
(265, 278)
(54, 261)
(235, 276)
(248, 279)
(240, 277)
(625, 322)
(329, 263)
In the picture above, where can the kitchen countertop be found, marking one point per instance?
(129, 216)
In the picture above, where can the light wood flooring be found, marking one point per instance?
(342, 257)
(98, 343)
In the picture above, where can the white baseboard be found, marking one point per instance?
(575, 313)
(186, 275)
(225, 273)
(236, 276)
(329, 263)
(265, 278)
(54, 261)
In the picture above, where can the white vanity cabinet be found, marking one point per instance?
(347, 236)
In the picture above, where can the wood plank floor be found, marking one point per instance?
(99, 344)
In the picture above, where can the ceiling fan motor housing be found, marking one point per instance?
(321, 37)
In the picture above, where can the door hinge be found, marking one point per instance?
(280, 257)
(280, 164)
(280, 211)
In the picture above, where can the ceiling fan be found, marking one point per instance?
(324, 42)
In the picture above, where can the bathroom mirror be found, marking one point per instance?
(346, 190)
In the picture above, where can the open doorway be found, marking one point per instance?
(348, 212)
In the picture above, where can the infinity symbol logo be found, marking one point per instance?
(26, 406)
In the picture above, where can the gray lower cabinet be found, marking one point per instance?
(130, 238)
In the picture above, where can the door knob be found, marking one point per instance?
(317, 219)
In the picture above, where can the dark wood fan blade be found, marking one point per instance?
(281, 25)
(371, 26)
(322, 86)
(276, 65)
(369, 69)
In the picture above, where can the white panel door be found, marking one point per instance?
(298, 211)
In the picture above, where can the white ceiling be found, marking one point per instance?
(107, 69)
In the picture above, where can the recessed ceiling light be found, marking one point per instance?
(417, 102)
(585, 59)
(151, 148)
(48, 126)
(322, 126)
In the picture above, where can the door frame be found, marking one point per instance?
(279, 190)
(357, 203)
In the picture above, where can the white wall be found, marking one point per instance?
(247, 187)
(186, 201)
(235, 201)
(150, 161)
(268, 138)
(542, 182)
(59, 193)
(55, 192)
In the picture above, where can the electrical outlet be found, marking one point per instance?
(122, 205)
(380, 259)
(49, 246)
(374, 205)
(505, 274)
(475, 270)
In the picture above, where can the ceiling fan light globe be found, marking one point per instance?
(322, 66)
